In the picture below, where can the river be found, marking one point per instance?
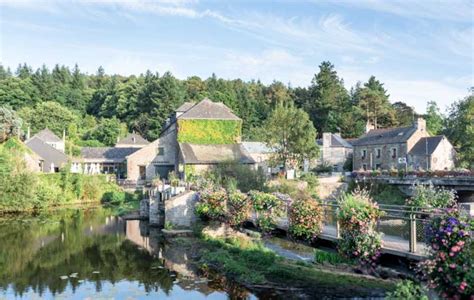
(90, 254)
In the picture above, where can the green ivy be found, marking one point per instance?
(209, 131)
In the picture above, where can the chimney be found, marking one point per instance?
(420, 124)
(369, 126)
(326, 139)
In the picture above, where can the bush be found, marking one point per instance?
(358, 216)
(305, 218)
(267, 207)
(212, 205)
(238, 208)
(408, 290)
(431, 197)
(114, 197)
(239, 176)
(449, 268)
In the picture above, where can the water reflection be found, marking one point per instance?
(77, 254)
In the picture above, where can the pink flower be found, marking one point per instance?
(460, 243)
(455, 249)
(451, 254)
(452, 266)
(463, 285)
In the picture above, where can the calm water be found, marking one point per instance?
(77, 254)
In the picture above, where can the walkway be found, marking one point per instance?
(390, 244)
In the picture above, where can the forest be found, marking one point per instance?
(96, 109)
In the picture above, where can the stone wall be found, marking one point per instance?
(385, 161)
(330, 188)
(444, 156)
(148, 156)
(179, 210)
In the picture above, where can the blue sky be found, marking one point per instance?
(421, 50)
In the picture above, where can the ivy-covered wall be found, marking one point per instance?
(209, 131)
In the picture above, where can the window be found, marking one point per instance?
(378, 153)
(394, 152)
(363, 154)
(364, 167)
(142, 171)
(378, 166)
(161, 151)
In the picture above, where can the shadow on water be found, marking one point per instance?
(76, 254)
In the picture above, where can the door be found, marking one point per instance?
(162, 171)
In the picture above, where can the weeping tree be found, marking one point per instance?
(291, 135)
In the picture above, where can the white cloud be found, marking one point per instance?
(452, 10)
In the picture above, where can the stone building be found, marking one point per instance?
(49, 150)
(334, 151)
(195, 138)
(261, 154)
(394, 148)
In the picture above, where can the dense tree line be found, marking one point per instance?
(97, 109)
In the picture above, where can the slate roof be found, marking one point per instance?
(133, 139)
(107, 154)
(214, 154)
(185, 106)
(426, 143)
(47, 136)
(385, 136)
(336, 141)
(48, 153)
(256, 147)
(207, 109)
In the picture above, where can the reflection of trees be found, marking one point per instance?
(26, 265)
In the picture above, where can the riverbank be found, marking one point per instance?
(249, 263)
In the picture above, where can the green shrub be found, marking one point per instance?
(238, 176)
(408, 290)
(114, 197)
(305, 218)
(431, 197)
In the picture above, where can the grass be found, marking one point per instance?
(333, 258)
(253, 264)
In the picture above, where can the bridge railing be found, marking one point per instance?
(403, 228)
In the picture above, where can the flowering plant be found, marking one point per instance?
(267, 207)
(211, 205)
(431, 197)
(305, 217)
(238, 205)
(449, 268)
(357, 216)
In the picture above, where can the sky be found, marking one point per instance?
(421, 50)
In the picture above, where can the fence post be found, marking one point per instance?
(412, 233)
(338, 227)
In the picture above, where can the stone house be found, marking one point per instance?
(108, 160)
(402, 147)
(334, 151)
(49, 151)
(432, 153)
(195, 138)
(261, 154)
